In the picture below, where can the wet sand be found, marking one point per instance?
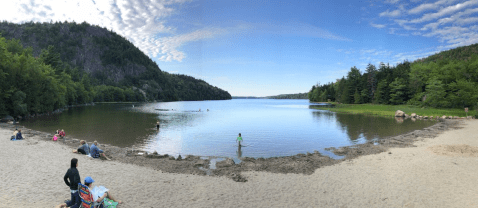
(435, 169)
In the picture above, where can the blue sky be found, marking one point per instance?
(261, 48)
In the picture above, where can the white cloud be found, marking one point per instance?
(429, 6)
(143, 22)
(394, 13)
(392, 1)
(445, 11)
(450, 23)
(169, 46)
(377, 25)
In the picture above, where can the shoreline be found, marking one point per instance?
(436, 172)
(300, 163)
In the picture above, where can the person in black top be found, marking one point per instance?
(72, 178)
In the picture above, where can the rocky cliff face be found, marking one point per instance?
(77, 44)
(109, 59)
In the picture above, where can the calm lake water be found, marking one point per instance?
(269, 127)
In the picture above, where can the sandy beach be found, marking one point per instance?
(438, 172)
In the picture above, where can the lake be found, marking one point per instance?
(269, 127)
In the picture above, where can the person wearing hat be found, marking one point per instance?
(99, 193)
(72, 178)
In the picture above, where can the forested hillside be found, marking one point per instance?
(445, 80)
(460, 53)
(112, 64)
(290, 96)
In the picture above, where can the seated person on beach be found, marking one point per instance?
(83, 148)
(14, 137)
(99, 192)
(55, 137)
(62, 133)
(19, 135)
(96, 152)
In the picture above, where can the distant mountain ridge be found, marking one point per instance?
(462, 53)
(109, 59)
(290, 96)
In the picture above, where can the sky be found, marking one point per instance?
(269, 47)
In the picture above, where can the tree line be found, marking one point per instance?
(37, 84)
(108, 60)
(290, 96)
(443, 81)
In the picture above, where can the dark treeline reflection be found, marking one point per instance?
(358, 126)
(108, 124)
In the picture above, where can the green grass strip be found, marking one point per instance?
(389, 110)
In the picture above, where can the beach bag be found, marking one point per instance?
(108, 203)
(12, 138)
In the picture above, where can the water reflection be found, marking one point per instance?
(271, 127)
(239, 151)
(361, 128)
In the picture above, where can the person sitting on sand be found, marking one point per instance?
(62, 133)
(83, 148)
(55, 137)
(19, 134)
(14, 137)
(99, 192)
(96, 152)
(239, 139)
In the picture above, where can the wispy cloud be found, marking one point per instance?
(394, 13)
(392, 1)
(377, 25)
(449, 21)
(429, 6)
(143, 22)
(445, 11)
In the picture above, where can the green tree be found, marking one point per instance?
(357, 97)
(398, 91)
(463, 94)
(20, 108)
(381, 95)
(435, 93)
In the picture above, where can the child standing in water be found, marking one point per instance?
(239, 139)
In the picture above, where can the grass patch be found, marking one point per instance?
(389, 110)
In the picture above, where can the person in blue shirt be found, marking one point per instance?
(19, 134)
(96, 152)
(83, 148)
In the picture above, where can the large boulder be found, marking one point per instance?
(413, 115)
(399, 113)
(443, 117)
